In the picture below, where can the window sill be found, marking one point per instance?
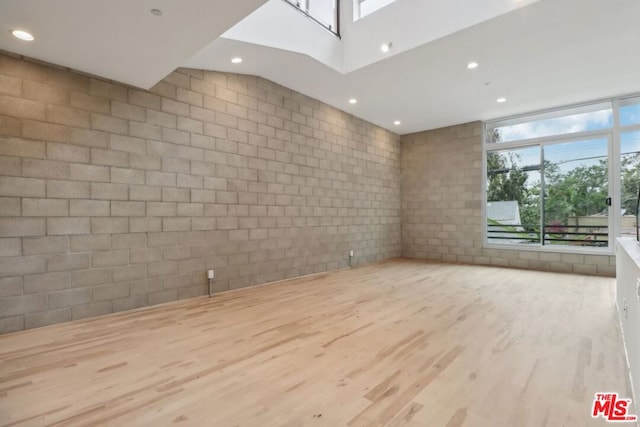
(609, 251)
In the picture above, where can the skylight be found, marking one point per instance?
(323, 12)
(363, 8)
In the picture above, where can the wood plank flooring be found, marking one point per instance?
(399, 343)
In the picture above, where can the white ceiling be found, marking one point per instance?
(537, 54)
(118, 39)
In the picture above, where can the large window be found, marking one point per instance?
(564, 180)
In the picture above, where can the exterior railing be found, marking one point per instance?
(554, 234)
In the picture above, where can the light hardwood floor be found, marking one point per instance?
(399, 343)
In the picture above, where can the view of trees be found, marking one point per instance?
(509, 182)
(579, 191)
(560, 183)
(630, 179)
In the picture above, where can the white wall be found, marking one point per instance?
(628, 301)
(409, 24)
(279, 25)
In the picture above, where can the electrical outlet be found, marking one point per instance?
(624, 307)
(211, 274)
(351, 253)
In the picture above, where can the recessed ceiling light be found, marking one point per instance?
(501, 100)
(353, 101)
(22, 35)
(386, 47)
(472, 65)
(156, 12)
(236, 60)
(397, 122)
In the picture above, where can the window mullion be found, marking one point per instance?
(615, 175)
(542, 195)
(585, 174)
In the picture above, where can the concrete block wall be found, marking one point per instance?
(113, 198)
(441, 207)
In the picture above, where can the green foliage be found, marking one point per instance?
(630, 175)
(569, 192)
(507, 181)
(579, 192)
(530, 209)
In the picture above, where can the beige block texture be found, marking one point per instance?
(113, 198)
(441, 206)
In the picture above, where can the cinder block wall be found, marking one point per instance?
(113, 198)
(441, 206)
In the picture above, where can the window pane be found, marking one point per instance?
(630, 111)
(629, 181)
(365, 7)
(513, 196)
(579, 119)
(576, 188)
(324, 11)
